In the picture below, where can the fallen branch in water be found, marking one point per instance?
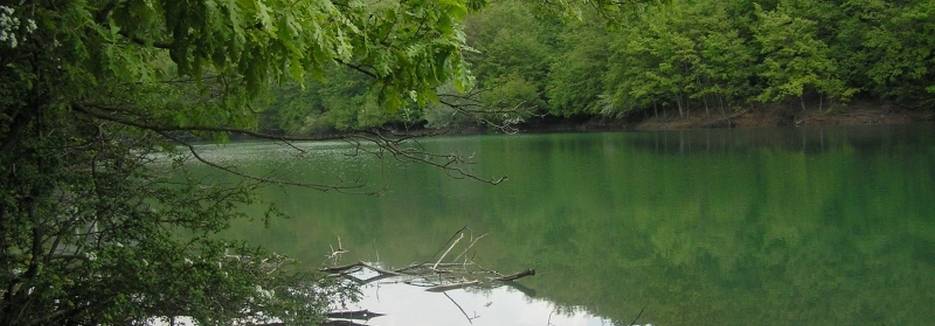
(438, 275)
(443, 288)
(516, 276)
(473, 242)
(453, 244)
(345, 268)
(637, 317)
(469, 318)
(357, 314)
(341, 323)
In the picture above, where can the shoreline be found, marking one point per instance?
(772, 116)
(861, 114)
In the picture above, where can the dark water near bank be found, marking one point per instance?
(712, 227)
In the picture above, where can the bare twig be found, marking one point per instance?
(633, 322)
(342, 269)
(337, 253)
(357, 314)
(392, 145)
(320, 187)
(438, 275)
(473, 242)
(469, 319)
(461, 236)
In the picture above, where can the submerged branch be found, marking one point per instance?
(453, 244)
(633, 322)
(437, 276)
(455, 286)
(357, 314)
(345, 268)
(469, 318)
(516, 276)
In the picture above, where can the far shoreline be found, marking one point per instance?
(774, 116)
(764, 117)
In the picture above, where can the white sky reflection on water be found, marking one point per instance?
(406, 305)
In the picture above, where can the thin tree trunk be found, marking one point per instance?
(678, 102)
(821, 100)
(720, 100)
(706, 111)
(688, 107)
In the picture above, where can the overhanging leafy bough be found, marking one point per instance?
(402, 148)
(88, 231)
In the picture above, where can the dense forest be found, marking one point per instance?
(101, 102)
(674, 57)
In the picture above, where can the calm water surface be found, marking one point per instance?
(716, 227)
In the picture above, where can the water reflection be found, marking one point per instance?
(406, 305)
(721, 227)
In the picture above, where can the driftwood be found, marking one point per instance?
(436, 275)
(508, 278)
(357, 314)
(516, 276)
(325, 323)
(443, 288)
(469, 318)
(423, 265)
(340, 323)
(637, 316)
(345, 268)
(453, 244)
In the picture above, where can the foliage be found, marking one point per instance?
(689, 55)
(793, 58)
(344, 101)
(95, 96)
(584, 53)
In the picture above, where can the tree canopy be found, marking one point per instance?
(685, 56)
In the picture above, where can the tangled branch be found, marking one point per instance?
(401, 148)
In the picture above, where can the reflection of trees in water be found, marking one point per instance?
(764, 235)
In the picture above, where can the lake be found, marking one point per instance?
(823, 226)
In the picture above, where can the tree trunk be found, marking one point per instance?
(821, 102)
(720, 101)
(678, 102)
(688, 107)
(706, 111)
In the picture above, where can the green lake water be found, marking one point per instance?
(832, 226)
